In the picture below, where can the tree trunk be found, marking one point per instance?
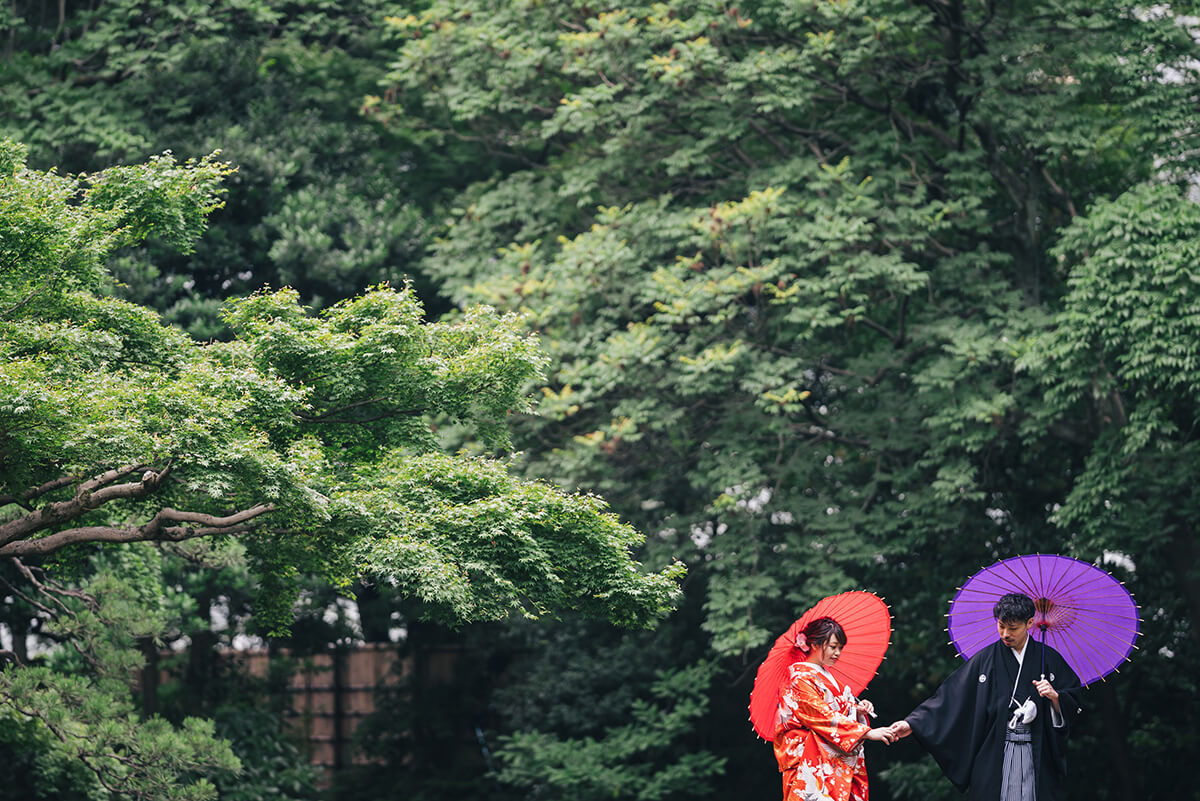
(149, 677)
(20, 636)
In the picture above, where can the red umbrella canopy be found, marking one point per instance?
(868, 626)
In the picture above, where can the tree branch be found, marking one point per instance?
(765, 134)
(869, 323)
(152, 530)
(889, 109)
(328, 416)
(820, 433)
(1058, 190)
(92, 494)
(10, 311)
(36, 492)
(51, 591)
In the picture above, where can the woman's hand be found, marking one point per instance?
(881, 735)
(867, 708)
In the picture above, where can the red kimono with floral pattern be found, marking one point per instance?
(818, 738)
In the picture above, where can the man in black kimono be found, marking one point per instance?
(998, 726)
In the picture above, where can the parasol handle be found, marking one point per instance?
(1043, 628)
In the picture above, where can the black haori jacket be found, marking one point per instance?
(962, 724)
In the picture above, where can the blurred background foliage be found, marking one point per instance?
(323, 201)
(849, 294)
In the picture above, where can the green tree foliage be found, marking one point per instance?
(595, 715)
(308, 438)
(322, 201)
(36, 769)
(273, 766)
(319, 425)
(850, 293)
(78, 702)
(614, 739)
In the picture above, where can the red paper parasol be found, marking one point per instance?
(1081, 611)
(868, 625)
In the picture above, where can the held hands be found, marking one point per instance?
(900, 729)
(881, 735)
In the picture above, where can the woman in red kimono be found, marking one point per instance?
(820, 726)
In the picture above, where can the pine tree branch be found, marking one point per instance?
(51, 591)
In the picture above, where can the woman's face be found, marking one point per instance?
(827, 655)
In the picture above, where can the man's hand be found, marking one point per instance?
(900, 729)
(1047, 691)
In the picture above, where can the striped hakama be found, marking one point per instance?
(1017, 783)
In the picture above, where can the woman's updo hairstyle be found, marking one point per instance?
(819, 632)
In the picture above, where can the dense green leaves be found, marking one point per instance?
(309, 437)
(621, 764)
(322, 201)
(833, 287)
(821, 295)
(315, 422)
(80, 701)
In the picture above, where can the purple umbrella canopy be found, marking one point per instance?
(1082, 611)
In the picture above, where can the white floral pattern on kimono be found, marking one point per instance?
(818, 738)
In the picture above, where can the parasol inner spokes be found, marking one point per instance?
(1051, 615)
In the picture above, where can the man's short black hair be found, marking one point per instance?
(1016, 606)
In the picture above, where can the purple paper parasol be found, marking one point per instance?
(1082, 611)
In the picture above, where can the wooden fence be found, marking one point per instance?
(331, 693)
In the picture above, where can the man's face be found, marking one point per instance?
(1013, 633)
